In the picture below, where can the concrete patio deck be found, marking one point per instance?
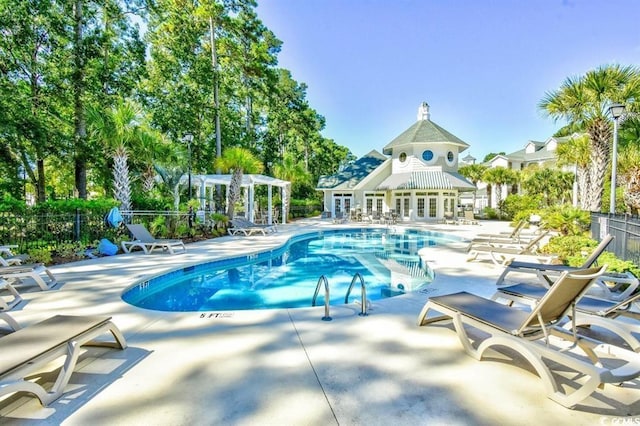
(286, 366)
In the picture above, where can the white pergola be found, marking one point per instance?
(205, 185)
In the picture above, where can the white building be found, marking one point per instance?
(416, 176)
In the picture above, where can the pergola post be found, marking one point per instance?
(269, 205)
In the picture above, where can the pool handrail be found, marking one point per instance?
(323, 279)
(363, 294)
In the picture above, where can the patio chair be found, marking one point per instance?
(512, 234)
(339, 218)
(589, 311)
(469, 218)
(536, 336)
(8, 258)
(449, 219)
(246, 227)
(17, 298)
(546, 274)
(376, 217)
(34, 271)
(503, 253)
(514, 237)
(25, 352)
(144, 240)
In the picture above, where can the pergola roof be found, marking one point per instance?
(247, 180)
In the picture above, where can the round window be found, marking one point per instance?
(427, 155)
(403, 157)
(450, 156)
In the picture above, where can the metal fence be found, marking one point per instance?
(52, 231)
(625, 229)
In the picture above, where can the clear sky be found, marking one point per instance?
(481, 65)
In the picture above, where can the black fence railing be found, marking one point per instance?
(51, 231)
(625, 229)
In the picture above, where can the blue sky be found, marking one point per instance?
(482, 65)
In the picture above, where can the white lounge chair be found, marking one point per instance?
(33, 271)
(547, 273)
(516, 236)
(16, 297)
(449, 219)
(246, 227)
(27, 350)
(147, 242)
(536, 336)
(589, 311)
(503, 253)
(8, 258)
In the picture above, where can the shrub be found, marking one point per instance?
(521, 207)
(490, 213)
(73, 250)
(40, 255)
(617, 265)
(571, 250)
(567, 220)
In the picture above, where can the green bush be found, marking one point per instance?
(566, 219)
(617, 265)
(71, 250)
(571, 250)
(72, 205)
(490, 213)
(521, 207)
(10, 204)
(40, 255)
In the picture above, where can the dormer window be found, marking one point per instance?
(427, 155)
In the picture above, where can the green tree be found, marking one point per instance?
(292, 171)
(554, 186)
(583, 101)
(629, 174)
(497, 177)
(237, 161)
(171, 176)
(120, 129)
(474, 173)
(32, 128)
(491, 155)
(575, 152)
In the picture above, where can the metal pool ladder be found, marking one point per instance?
(363, 294)
(321, 280)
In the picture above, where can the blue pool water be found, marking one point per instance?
(287, 277)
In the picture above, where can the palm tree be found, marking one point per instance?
(118, 129)
(171, 178)
(499, 176)
(629, 168)
(575, 152)
(583, 101)
(474, 173)
(291, 171)
(152, 147)
(238, 161)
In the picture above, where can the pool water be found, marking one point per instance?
(387, 260)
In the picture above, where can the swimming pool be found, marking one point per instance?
(388, 261)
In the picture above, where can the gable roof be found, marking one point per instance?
(424, 131)
(352, 174)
